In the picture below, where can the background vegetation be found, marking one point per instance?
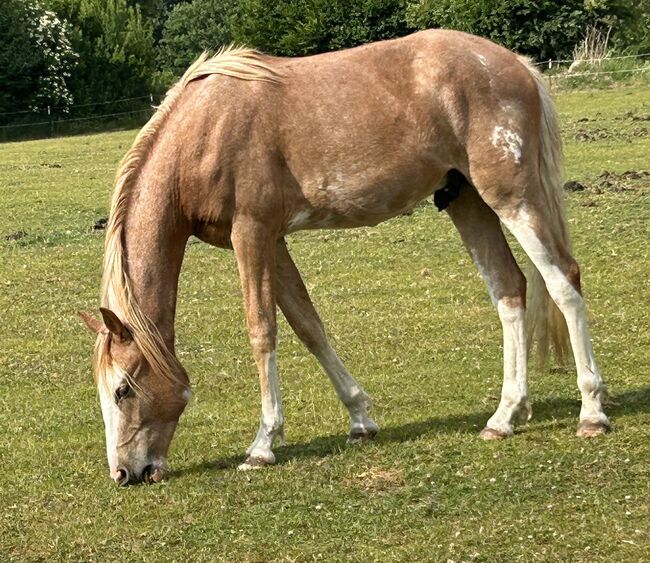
(411, 317)
(76, 55)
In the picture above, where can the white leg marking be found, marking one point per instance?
(350, 392)
(572, 305)
(514, 393)
(272, 421)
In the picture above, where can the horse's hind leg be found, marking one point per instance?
(481, 233)
(530, 226)
(299, 311)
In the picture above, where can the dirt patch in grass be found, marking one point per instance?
(633, 116)
(628, 181)
(100, 224)
(584, 135)
(587, 135)
(16, 236)
(377, 481)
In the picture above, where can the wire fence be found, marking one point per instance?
(54, 121)
(594, 72)
(554, 62)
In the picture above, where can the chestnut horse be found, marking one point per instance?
(247, 148)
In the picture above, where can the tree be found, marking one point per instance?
(301, 27)
(115, 45)
(192, 28)
(36, 58)
(542, 29)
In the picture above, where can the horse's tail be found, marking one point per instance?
(546, 325)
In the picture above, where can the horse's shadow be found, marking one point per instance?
(553, 409)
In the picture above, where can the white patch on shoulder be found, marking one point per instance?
(482, 60)
(508, 141)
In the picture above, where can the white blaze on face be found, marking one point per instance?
(111, 414)
(508, 141)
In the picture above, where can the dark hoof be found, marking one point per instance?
(362, 435)
(588, 429)
(492, 434)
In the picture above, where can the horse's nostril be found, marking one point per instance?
(147, 473)
(122, 477)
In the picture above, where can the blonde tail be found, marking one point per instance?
(547, 327)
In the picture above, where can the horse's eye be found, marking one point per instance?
(122, 391)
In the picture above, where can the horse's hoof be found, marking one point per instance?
(491, 434)
(362, 435)
(253, 462)
(588, 429)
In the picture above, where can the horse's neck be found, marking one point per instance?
(154, 241)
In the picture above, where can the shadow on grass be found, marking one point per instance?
(555, 409)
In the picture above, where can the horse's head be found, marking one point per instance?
(140, 408)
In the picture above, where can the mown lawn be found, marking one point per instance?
(427, 348)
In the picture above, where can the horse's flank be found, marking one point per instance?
(116, 295)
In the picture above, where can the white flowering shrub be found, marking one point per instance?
(36, 58)
(51, 39)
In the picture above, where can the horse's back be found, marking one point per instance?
(358, 135)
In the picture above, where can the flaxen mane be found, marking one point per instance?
(238, 62)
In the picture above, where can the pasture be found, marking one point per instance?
(407, 312)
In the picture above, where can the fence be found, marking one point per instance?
(77, 118)
(572, 73)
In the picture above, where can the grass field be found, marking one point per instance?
(427, 348)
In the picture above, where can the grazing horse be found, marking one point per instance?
(247, 148)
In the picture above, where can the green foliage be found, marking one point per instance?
(36, 58)
(116, 51)
(301, 27)
(192, 28)
(632, 31)
(542, 29)
(116, 47)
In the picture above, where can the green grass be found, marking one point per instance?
(428, 349)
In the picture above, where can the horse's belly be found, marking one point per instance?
(337, 200)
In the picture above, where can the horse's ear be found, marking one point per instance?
(115, 325)
(93, 324)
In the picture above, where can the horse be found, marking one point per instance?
(246, 148)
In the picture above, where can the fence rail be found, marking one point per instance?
(65, 109)
(57, 120)
(551, 62)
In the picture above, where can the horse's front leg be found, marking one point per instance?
(254, 248)
(301, 314)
